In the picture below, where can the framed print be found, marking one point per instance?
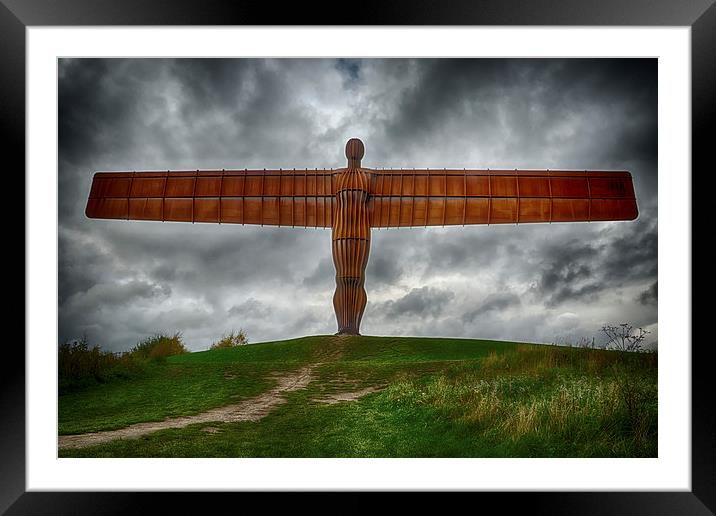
(80, 59)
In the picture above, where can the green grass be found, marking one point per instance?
(436, 398)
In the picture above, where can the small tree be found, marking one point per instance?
(623, 337)
(231, 340)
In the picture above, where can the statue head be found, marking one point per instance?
(355, 150)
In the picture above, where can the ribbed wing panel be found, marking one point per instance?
(302, 198)
(405, 198)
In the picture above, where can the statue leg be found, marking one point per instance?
(350, 256)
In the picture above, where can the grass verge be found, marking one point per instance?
(434, 398)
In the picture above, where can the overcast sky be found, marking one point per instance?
(121, 281)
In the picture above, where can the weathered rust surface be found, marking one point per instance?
(396, 198)
(351, 240)
(300, 198)
(354, 199)
(406, 198)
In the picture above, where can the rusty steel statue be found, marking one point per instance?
(354, 199)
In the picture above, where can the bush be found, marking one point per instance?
(231, 340)
(159, 347)
(624, 337)
(80, 365)
(76, 359)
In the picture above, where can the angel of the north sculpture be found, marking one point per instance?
(352, 200)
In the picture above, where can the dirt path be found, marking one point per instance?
(332, 399)
(251, 409)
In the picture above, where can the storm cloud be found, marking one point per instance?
(424, 302)
(121, 281)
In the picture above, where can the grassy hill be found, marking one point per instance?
(378, 397)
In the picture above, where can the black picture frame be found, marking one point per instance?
(17, 15)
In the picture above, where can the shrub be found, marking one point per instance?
(76, 359)
(159, 347)
(624, 337)
(80, 365)
(231, 340)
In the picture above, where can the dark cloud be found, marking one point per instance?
(322, 276)
(583, 268)
(493, 302)
(565, 266)
(633, 254)
(421, 302)
(650, 295)
(350, 69)
(121, 281)
(382, 270)
(251, 308)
